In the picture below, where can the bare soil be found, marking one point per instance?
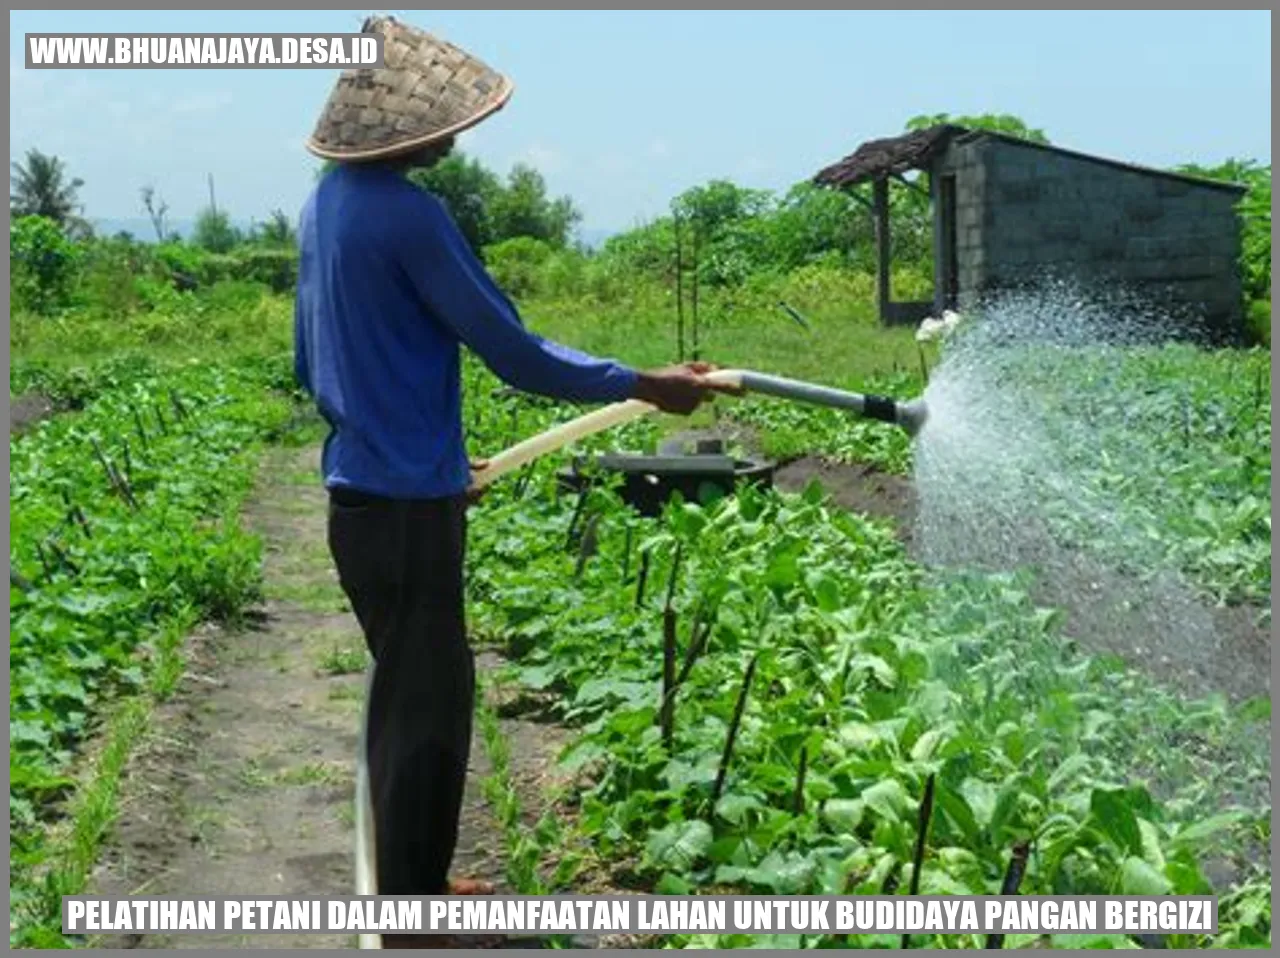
(27, 410)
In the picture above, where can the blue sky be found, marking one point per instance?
(622, 110)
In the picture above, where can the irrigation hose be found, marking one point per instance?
(909, 415)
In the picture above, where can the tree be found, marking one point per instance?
(156, 209)
(41, 188)
(214, 231)
(467, 190)
(811, 221)
(44, 264)
(719, 204)
(1255, 218)
(1004, 123)
(522, 208)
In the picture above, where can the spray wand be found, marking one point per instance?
(909, 415)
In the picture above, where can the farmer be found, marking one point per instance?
(387, 291)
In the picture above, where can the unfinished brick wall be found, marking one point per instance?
(1022, 212)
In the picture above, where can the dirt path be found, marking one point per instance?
(246, 784)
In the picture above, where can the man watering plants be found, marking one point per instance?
(388, 289)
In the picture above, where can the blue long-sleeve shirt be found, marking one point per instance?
(387, 290)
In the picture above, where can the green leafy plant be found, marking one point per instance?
(44, 263)
(124, 526)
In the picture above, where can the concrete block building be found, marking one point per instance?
(1007, 212)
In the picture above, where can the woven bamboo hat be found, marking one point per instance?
(428, 91)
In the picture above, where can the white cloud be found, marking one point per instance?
(659, 148)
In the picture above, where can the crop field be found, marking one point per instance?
(763, 688)
(766, 693)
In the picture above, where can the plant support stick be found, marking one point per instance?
(733, 730)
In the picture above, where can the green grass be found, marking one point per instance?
(229, 321)
(312, 596)
(344, 660)
(313, 773)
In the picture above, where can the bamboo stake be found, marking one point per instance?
(44, 560)
(139, 427)
(698, 633)
(922, 831)
(675, 571)
(577, 515)
(106, 466)
(126, 490)
(679, 289)
(733, 729)
(797, 804)
(1012, 879)
(75, 516)
(696, 225)
(626, 555)
(644, 575)
(586, 546)
(666, 714)
(63, 558)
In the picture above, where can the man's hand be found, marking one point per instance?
(474, 495)
(679, 389)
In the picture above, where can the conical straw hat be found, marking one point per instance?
(428, 90)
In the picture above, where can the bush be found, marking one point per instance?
(275, 268)
(178, 257)
(43, 265)
(118, 276)
(516, 265)
(215, 268)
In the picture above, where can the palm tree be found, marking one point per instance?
(41, 188)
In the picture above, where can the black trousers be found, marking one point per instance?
(400, 563)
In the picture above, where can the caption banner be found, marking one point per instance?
(173, 51)
(556, 914)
